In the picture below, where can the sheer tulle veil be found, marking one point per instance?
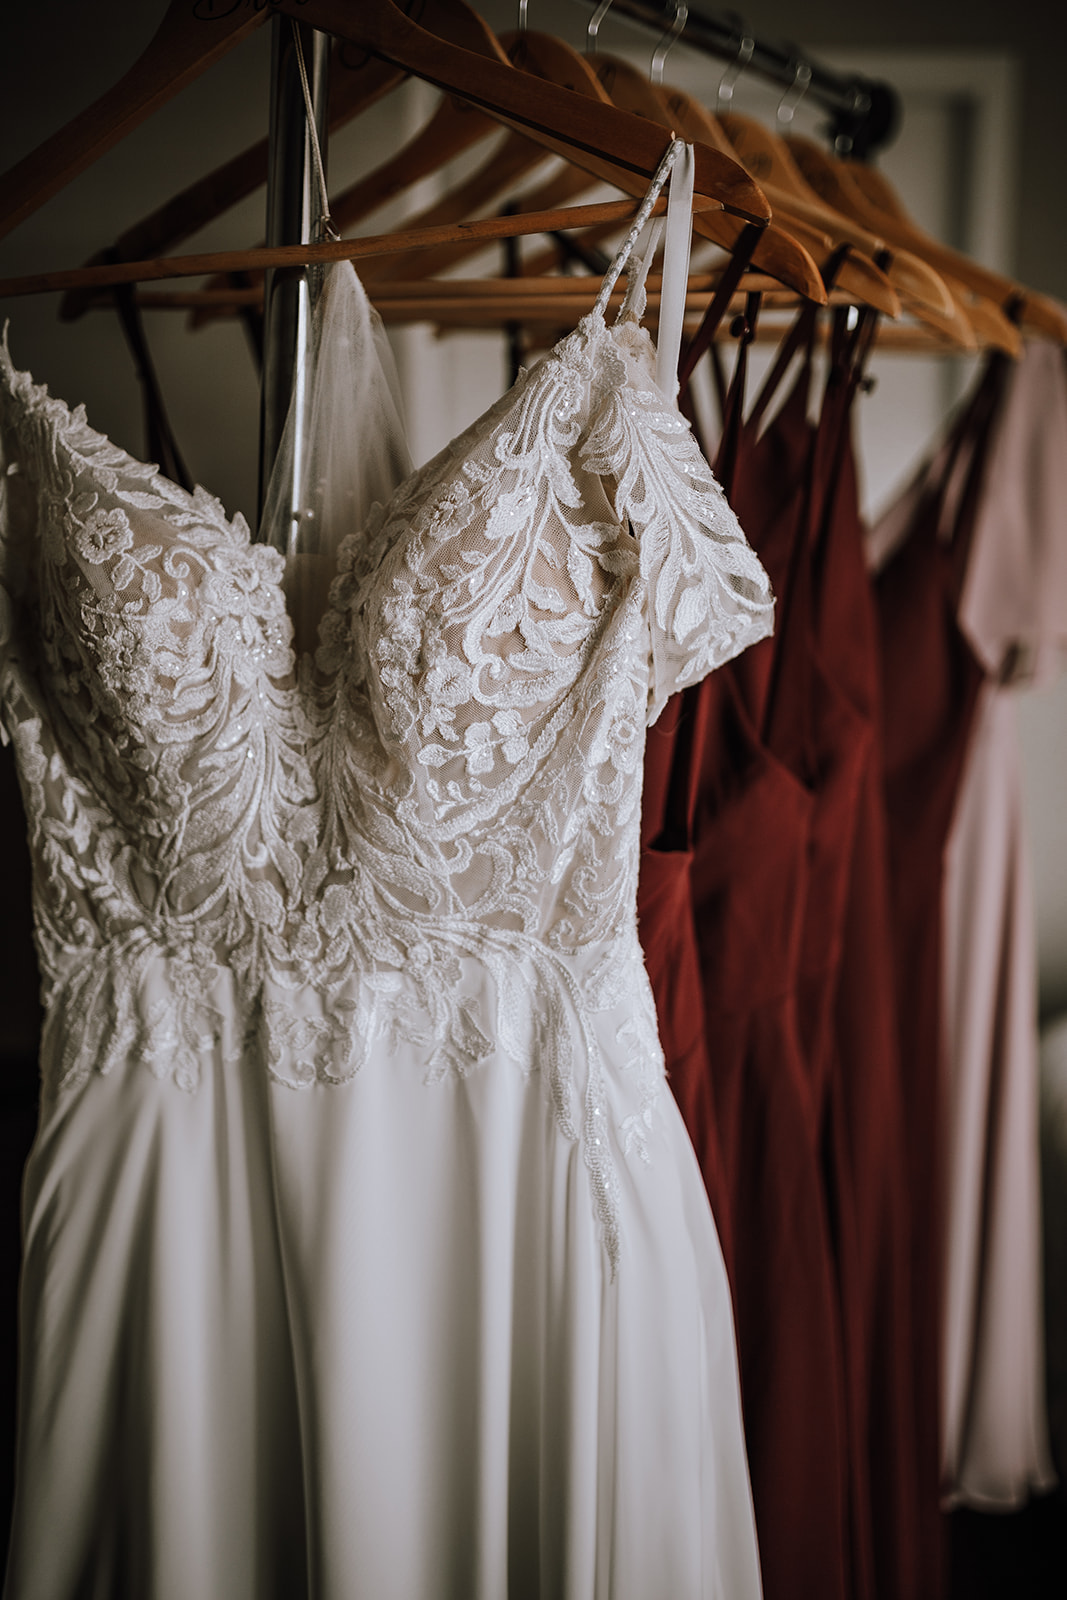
(344, 446)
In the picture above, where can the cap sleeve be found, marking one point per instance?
(707, 595)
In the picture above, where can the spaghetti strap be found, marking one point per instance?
(675, 271)
(625, 250)
(734, 403)
(800, 336)
(802, 333)
(679, 164)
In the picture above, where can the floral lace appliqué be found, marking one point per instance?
(451, 787)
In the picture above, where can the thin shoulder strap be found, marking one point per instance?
(982, 422)
(733, 410)
(625, 250)
(732, 273)
(946, 486)
(675, 271)
(680, 164)
(801, 336)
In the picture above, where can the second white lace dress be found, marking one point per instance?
(365, 1252)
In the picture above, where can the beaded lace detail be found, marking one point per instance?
(455, 776)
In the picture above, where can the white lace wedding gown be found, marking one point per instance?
(366, 1256)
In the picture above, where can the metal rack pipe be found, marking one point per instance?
(294, 215)
(864, 113)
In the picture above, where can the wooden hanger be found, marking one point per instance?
(453, 127)
(626, 150)
(352, 89)
(552, 303)
(471, 303)
(777, 253)
(923, 292)
(429, 149)
(992, 328)
(623, 149)
(553, 196)
(295, 255)
(546, 58)
(927, 295)
(486, 302)
(990, 321)
(357, 81)
(632, 91)
(552, 60)
(549, 58)
(837, 182)
(763, 151)
(547, 305)
(183, 47)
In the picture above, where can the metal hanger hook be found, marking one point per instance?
(725, 92)
(667, 43)
(787, 105)
(594, 25)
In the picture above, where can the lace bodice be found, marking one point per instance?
(456, 774)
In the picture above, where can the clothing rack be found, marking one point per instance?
(864, 112)
(294, 215)
(864, 115)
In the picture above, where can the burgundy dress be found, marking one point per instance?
(741, 805)
(930, 685)
(865, 1165)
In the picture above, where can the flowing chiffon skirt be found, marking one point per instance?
(365, 1340)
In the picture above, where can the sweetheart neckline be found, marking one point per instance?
(63, 418)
